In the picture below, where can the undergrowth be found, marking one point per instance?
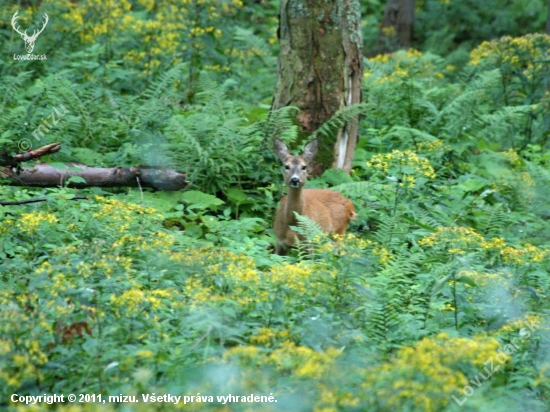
(443, 273)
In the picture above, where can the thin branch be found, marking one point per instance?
(201, 339)
(35, 200)
(32, 154)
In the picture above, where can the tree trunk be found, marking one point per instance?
(320, 70)
(397, 26)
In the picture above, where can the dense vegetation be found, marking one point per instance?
(442, 278)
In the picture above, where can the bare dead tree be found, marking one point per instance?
(397, 26)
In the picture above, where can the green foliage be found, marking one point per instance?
(442, 25)
(139, 292)
(451, 28)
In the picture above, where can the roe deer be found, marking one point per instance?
(329, 209)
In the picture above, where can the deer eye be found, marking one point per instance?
(287, 167)
(304, 167)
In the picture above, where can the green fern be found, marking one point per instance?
(10, 86)
(165, 80)
(247, 41)
(492, 224)
(280, 124)
(340, 118)
(307, 231)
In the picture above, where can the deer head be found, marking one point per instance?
(29, 40)
(295, 172)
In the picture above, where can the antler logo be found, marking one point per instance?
(29, 40)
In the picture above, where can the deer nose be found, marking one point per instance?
(294, 181)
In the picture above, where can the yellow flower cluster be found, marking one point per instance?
(406, 163)
(458, 240)
(527, 254)
(383, 254)
(517, 324)
(115, 206)
(349, 244)
(512, 157)
(264, 336)
(105, 265)
(412, 53)
(426, 374)
(124, 214)
(401, 66)
(456, 236)
(486, 278)
(388, 31)
(331, 399)
(518, 182)
(399, 56)
(22, 354)
(29, 222)
(217, 67)
(165, 27)
(432, 147)
(296, 277)
(139, 302)
(199, 31)
(144, 353)
(268, 337)
(382, 58)
(289, 358)
(518, 52)
(154, 241)
(220, 275)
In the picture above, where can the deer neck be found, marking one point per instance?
(294, 203)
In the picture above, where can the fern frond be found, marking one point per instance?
(280, 124)
(10, 85)
(307, 231)
(493, 223)
(404, 134)
(355, 189)
(340, 118)
(462, 113)
(165, 80)
(389, 230)
(247, 40)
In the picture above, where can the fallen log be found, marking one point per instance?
(45, 175)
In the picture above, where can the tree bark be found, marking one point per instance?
(320, 71)
(397, 26)
(44, 175)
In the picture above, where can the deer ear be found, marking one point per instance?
(311, 150)
(280, 149)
